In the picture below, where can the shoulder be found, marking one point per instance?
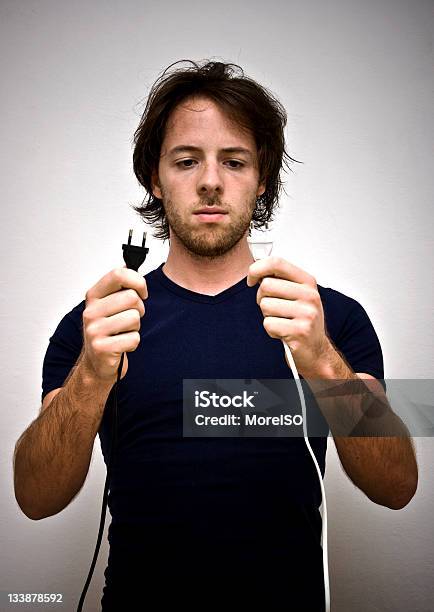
(339, 309)
(352, 332)
(75, 315)
(346, 320)
(331, 298)
(69, 327)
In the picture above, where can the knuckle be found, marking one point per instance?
(304, 328)
(91, 330)
(136, 319)
(265, 304)
(131, 296)
(96, 346)
(266, 284)
(87, 316)
(270, 327)
(310, 314)
(315, 294)
(117, 274)
(267, 323)
(310, 294)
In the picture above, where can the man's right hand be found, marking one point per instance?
(111, 321)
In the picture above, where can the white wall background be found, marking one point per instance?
(356, 79)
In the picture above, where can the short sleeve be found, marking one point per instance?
(63, 350)
(359, 344)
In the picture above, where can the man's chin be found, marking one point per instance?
(209, 251)
(209, 247)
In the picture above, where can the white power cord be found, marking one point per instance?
(259, 249)
(323, 495)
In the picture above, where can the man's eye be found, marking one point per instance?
(234, 161)
(182, 163)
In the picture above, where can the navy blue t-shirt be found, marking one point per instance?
(196, 520)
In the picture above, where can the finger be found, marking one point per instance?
(276, 287)
(115, 280)
(122, 322)
(278, 267)
(278, 327)
(126, 342)
(287, 309)
(117, 302)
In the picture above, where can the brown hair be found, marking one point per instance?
(243, 101)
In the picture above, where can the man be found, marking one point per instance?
(201, 520)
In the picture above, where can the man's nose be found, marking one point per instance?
(210, 179)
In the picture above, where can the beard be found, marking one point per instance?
(214, 240)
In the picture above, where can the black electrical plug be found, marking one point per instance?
(134, 256)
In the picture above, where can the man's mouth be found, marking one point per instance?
(211, 210)
(210, 214)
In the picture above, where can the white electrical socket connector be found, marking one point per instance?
(260, 242)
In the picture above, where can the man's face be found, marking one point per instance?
(206, 174)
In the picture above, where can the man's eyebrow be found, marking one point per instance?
(193, 149)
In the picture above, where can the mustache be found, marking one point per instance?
(210, 201)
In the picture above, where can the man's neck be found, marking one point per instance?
(205, 275)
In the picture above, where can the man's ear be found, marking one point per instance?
(155, 182)
(261, 189)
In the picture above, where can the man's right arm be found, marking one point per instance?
(52, 457)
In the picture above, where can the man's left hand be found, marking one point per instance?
(289, 299)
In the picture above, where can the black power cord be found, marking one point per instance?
(134, 256)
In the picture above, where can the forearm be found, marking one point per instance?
(52, 457)
(373, 444)
(385, 469)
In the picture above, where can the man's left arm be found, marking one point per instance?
(372, 442)
(374, 447)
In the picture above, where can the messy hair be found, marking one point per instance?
(242, 100)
